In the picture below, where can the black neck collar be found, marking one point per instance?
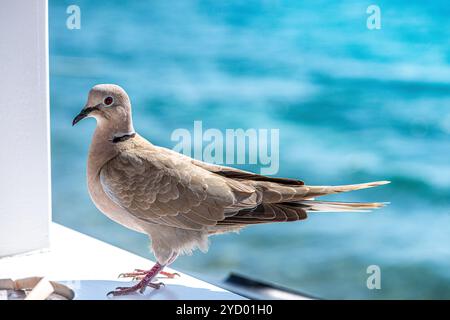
(125, 137)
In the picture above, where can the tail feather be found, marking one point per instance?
(334, 206)
(298, 206)
(317, 191)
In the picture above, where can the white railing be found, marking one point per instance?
(25, 206)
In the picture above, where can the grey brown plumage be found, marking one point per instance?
(179, 201)
(163, 187)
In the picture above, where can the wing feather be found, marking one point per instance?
(153, 187)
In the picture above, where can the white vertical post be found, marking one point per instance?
(25, 203)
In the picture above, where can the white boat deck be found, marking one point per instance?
(90, 267)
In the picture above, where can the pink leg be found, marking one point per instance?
(143, 284)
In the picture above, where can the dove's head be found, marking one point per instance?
(110, 105)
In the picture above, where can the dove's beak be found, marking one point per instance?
(83, 114)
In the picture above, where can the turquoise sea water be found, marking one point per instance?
(352, 105)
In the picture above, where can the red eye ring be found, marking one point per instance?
(108, 101)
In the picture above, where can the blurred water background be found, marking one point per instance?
(352, 105)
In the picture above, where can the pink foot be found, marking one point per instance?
(121, 291)
(170, 275)
(147, 277)
(138, 274)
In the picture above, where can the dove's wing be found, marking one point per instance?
(234, 173)
(230, 172)
(161, 186)
(158, 188)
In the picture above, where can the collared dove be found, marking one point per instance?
(179, 201)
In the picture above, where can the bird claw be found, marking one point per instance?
(138, 274)
(154, 285)
(157, 285)
(145, 276)
(134, 275)
(170, 275)
(120, 291)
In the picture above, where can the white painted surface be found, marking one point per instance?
(90, 267)
(24, 122)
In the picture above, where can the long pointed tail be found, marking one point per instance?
(317, 191)
(297, 207)
(334, 206)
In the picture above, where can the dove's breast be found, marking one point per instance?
(99, 154)
(110, 208)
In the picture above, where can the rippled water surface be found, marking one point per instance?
(351, 104)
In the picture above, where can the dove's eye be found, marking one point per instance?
(108, 101)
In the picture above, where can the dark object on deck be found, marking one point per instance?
(259, 290)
